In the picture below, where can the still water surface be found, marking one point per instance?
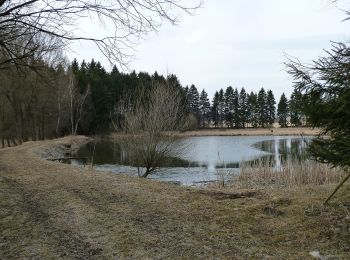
(206, 159)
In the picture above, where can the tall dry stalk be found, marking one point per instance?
(293, 173)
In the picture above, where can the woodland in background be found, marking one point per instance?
(238, 109)
(42, 98)
(56, 100)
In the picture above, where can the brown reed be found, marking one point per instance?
(293, 173)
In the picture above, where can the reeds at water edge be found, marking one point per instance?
(292, 173)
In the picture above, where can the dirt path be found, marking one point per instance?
(52, 210)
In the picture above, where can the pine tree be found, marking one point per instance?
(158, 79)
(193, 99)
(75, 66)
(295, 107)
(204, 108)
(229, 105)
(262, 108)
(326, 84)
(282, 111)
(101, 97)
(173, 82)
(215, 109)
(252, 109)
(221, 107)
(236, 109)
(271, 106)
(243, 108)
(187, 97)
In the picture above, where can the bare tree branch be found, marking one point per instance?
(150, 126)
(126, 21)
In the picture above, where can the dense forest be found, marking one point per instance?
(85, 98)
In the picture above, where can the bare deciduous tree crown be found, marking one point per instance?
(127, 20)
(156, 113)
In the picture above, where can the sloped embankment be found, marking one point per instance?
(48, 209)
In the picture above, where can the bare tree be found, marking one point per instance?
(76, 103)
(22, 47)
(151, 126)
(27, 98)
(126, 20)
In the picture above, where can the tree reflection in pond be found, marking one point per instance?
(207, 156)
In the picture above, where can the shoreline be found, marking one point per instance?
(62, 146)
(291, 131)
(54, 210)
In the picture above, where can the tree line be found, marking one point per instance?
(42, 96)
(84, 98)
(233, 108)
(56, 100)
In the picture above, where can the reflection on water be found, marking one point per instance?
(281, 149)
(207, 157)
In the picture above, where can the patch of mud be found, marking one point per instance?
(63, 147)
(219, 195)
(271, 210)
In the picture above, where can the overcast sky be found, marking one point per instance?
(239, 43)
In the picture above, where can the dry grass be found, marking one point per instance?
(53, 211)
(294, 173)
(274, 131)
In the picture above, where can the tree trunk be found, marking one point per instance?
(23, 126)
(14, 141)
(19, 128)
(58, 119)
(32, 124)
(42, 137)
(147, 172)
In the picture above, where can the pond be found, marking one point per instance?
(207, 158)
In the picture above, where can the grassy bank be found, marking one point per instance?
(297, 131)
(51, 210)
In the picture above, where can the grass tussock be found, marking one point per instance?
(293, 173)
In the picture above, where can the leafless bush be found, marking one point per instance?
(151, 125)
